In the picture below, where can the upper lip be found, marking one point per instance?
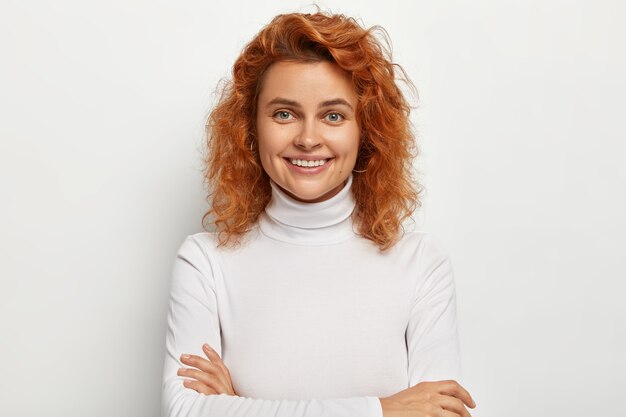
(308, 157)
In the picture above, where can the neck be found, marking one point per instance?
(293, 221)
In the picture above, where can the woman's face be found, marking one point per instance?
(306, 126)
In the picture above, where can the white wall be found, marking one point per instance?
(521, 123)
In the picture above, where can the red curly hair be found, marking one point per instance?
(386, 193)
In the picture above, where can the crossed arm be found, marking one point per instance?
(207, 388)
(210, 376)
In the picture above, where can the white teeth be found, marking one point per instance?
(303, 163)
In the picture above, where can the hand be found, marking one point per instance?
(429, 398)
(210, 377)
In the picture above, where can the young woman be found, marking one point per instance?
(311, 298)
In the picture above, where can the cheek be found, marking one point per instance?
(265, 154)
(270, 145)
(270, 136)
(265, 139)
(346, 142)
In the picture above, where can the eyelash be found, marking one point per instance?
(334, 112)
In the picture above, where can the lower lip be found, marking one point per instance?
(308, 171)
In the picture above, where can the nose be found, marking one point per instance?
(307, 138)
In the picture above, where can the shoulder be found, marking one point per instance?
(197, 243)
(422, 244)
(205, 240)
(200, 252)
(430, 264)
(207, 244)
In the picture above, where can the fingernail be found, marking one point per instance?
(207, 347)
(185, 356)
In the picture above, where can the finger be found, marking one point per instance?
(446, 413)
(434, 410)
(217, 360)
(207, 379)
(455, 389)
(200, 363)
(453, 405)
(208, 367)
(199, 387)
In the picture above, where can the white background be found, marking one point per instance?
(521, 123)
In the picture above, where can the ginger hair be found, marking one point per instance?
(386, 193)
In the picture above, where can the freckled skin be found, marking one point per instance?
(286, 130)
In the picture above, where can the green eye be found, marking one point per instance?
(283, 115)
(334, 117)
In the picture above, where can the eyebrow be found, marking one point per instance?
(287, 102)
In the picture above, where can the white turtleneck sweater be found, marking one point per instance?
(310, 319)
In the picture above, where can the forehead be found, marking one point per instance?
(306, 81)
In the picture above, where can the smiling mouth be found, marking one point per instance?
(307, 163)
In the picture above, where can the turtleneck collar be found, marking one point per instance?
(293, 221)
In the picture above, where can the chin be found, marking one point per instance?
(314, 196)
(306, 196)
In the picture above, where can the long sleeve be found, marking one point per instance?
(432, 337)
(193, 320)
